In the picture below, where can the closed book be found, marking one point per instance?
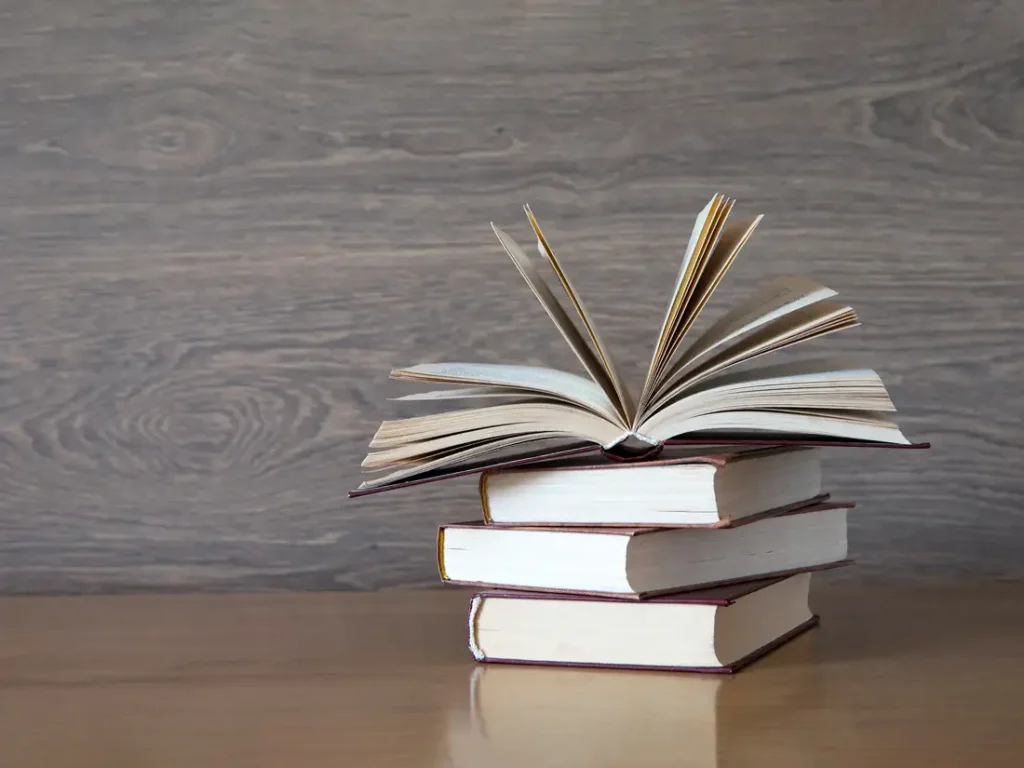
(640, 562)
(688, 489)
(714, 630)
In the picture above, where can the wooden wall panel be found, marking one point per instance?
(222, 223)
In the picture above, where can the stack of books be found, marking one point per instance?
(694, 562)
(674, 529)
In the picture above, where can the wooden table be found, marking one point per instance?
(897, 677)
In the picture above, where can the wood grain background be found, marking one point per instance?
(222, 223)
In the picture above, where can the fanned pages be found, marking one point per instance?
(566, 386)
(622, 394)
(699, 392)
(562, 320)
(684, 281)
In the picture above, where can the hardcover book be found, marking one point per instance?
(690, 489)
(638, 563)
(715, 630)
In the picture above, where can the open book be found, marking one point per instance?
(699, 393)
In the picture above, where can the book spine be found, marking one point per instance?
(440, 554)
(474, 613)
(634, 440)
(632, 447)
(485, 507)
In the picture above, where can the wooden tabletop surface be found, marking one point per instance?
(891, 677)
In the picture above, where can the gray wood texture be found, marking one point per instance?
(223, 223)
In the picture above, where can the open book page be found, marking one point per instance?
(693, 289)
(545, 249)
(420, 449)
(564, 324)
(719, 260)
(846, 425)
(698, 265)
(567, 386)
(802, 325)
(808, 385)
(465, 457)
(732, 239)
(769, 302)
(824, 371)
(849, 394)
(554, 417)
(683, 280)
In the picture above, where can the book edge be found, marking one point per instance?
(806, 505)
(582, 594)
(816, 504)
(692, 597)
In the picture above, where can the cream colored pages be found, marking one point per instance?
(452, 461)
(733, 238)
(544, 416)
(424, 449)
(838, 424)
(685, 274)
(562, 320)
(570, 422)
(804, 324)
(545, 250)
(692, 291)
(563, 384)
(773, 300)
(852, 396)
(694, 270)
(718, 262)
(825, 370)
(796, 387)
